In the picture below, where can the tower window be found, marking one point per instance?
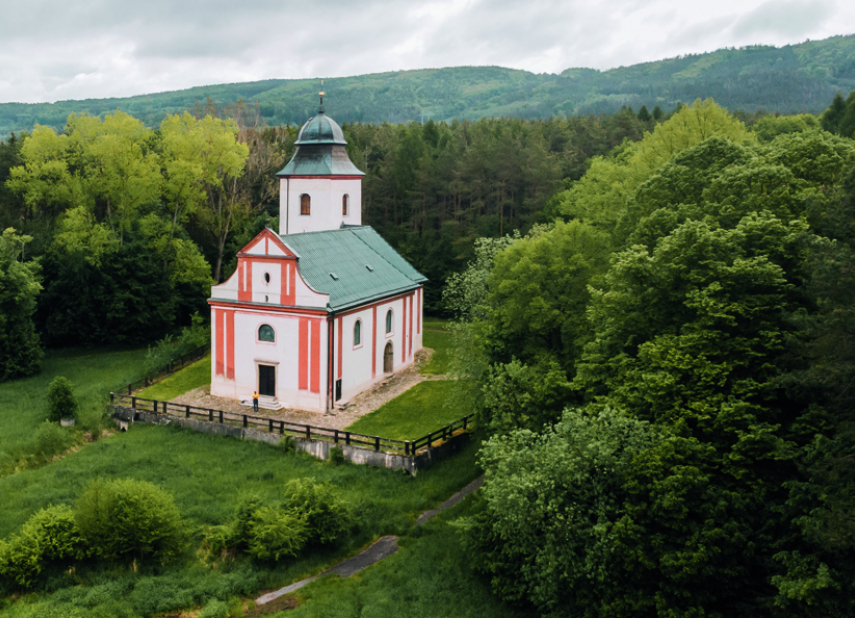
(305, 204)
(345, 202)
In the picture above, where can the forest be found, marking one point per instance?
(790, 79)
(652, 316)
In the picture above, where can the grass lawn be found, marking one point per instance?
(439, 339)
(94, 374)
(430, 576)
(208, 475)
(411, 415)
(192, 376)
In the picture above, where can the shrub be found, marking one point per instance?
(49, 536)
(328, 516)
(51, 440)
(215, 609)
(61, 401)
(126, 517)
(276, 533)
(337, 456)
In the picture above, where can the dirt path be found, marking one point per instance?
(367, 401)
(382, 548)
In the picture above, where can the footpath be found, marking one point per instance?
(382, 548)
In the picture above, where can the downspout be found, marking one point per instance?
(330, 374)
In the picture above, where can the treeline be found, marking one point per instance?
(791, 79)
(665, 372)
(125, 228)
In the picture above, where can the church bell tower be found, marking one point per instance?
(320, 188)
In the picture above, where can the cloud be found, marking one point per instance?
(53, 49)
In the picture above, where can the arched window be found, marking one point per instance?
(266, 333)
(345, 202)
(389, 322)
(305, 204)
(357, 333)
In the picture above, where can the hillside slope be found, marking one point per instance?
(794, 78)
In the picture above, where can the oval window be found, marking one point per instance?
(266, 333)
(266, 277)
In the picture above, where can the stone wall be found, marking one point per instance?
(125, 417)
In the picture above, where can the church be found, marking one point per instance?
(324, 309)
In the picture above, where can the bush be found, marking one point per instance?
(215, 609)
(126, 517)
(337, 456)
(276, 533)
(49, 536)
(328, 516)
(61, 401)
(51, 440)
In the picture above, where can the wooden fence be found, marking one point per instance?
(309, 432)
(171, 367)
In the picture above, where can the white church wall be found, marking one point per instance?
(326, 204)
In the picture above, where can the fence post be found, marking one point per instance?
(270, 426)
(129, 389)
(244, 420)
(377, 443)
(406, 448)
(308, 432)
(221, 416)
(464, 422)
(281, 427)
(335, 436)
(429, 439)
(347, 438)
(133, 402)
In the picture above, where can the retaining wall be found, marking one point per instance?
(125, 417)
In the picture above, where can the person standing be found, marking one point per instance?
(255, 401)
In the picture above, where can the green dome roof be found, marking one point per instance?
(321, 129)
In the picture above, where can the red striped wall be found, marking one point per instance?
(411, 325)
(340, 338)
(303, 360)
(315, 377)
(374, 343)
(218, 326)
(230, 338)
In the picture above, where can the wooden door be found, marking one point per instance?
(267, 380)
(388, 358)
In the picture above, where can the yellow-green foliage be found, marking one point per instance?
(50, 535)
(600, 196)
(129, 518)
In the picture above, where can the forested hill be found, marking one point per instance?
(795, 78)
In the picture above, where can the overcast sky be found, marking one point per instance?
(74, 49)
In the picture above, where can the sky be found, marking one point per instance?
(54, 50)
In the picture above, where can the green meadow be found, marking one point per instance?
(193, 376)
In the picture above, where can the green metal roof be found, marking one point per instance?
(320, 150)
(320, 160)
(321, 129)
(353, 264)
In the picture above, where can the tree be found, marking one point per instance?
(20, 349)
(206, 161)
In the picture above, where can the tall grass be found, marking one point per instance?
(209, 475)
(23, 403)
(430, 576)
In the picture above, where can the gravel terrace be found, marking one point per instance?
(362, 404)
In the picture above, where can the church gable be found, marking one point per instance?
(267, 243)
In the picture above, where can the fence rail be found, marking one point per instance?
(171, 367)
(297, 430)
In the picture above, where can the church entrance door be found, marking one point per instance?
(388, 357)
(267, 380)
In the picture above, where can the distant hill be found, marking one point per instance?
(794, 78)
